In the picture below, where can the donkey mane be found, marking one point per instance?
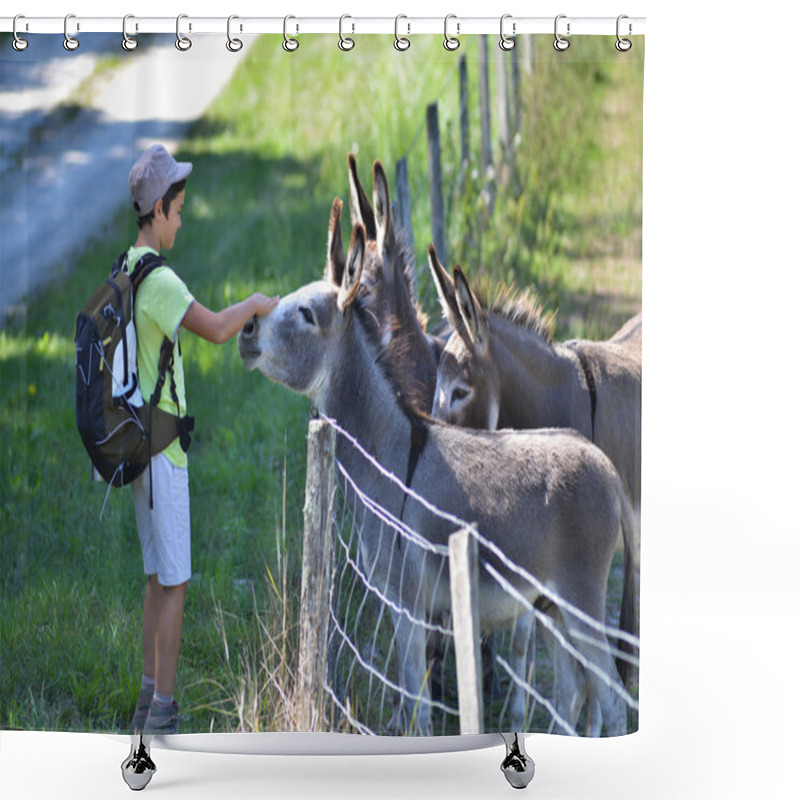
(408, 393)
(391, 359)
(519, 307)
(402, 250)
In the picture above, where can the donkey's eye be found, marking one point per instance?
(307, 315)
(459, 394)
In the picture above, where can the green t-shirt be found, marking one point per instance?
(162, 301)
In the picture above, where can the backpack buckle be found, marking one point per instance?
(185, 427)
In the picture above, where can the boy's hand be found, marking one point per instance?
(265, 304)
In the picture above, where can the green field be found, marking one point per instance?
(269, 157)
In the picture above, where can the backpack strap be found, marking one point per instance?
(120, 264)
(163, 427)
(144, 266)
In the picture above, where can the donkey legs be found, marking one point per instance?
(607, 704)
(572, 681)
(414, 712)
(521, 649)
(569, 689)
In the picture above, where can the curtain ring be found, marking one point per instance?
(560, 43)
(19, 44)
(451, 42)
(70, 42)
(623, 45)
(401, 43)
(507, 42)
(345, 42)
(183, 43)
(289, 44)
(128, 42)
(233, 45)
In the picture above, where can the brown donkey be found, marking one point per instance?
(387, 285)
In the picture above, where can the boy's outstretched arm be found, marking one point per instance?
(219, 326)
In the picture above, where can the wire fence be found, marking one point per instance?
(375, 609)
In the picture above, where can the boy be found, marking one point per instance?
(164, 305)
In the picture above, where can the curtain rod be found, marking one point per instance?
(454, 25)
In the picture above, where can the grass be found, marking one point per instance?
(269, 156)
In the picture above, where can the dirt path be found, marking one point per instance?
(70, 133)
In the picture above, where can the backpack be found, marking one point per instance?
(120, 430)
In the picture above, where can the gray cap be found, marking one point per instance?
(152, 174)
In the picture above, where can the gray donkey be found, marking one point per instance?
(502, 369)
(549, 501)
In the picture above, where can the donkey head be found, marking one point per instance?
(388, 280)
(467, 393)
(300, 342)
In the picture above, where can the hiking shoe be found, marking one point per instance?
(142, 707)
(161, 720)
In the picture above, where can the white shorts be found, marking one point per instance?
(164, 530)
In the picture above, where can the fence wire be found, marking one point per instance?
(363, 684)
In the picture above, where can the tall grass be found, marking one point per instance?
(269, 157)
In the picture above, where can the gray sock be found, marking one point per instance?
(162, 701)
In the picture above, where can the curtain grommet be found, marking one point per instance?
(234, 45)
(560, 43)
(183, 43)
(623, 45)
(18, 43)
(401, 43)
(129, 43)
(346, 43)
(451, 43)
(507, 42)
(70, 42)
(290, 44)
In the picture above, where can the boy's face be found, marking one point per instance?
(169, 225)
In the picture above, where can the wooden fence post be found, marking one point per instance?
(516, 99)
(501, 92)
(404, 201)
(464, 111)
(316, 576)
(528, 53)
(435, 173)
(466, 629)
(486, 121)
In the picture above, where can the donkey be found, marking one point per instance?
(549, 500)
(502, 369)
(388, 284)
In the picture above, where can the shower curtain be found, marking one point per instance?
(521, 164)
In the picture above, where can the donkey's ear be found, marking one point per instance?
(472, 315)
(444, 288)
(360, 209)
(335, 261)
(383, 208)
(352, 273)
